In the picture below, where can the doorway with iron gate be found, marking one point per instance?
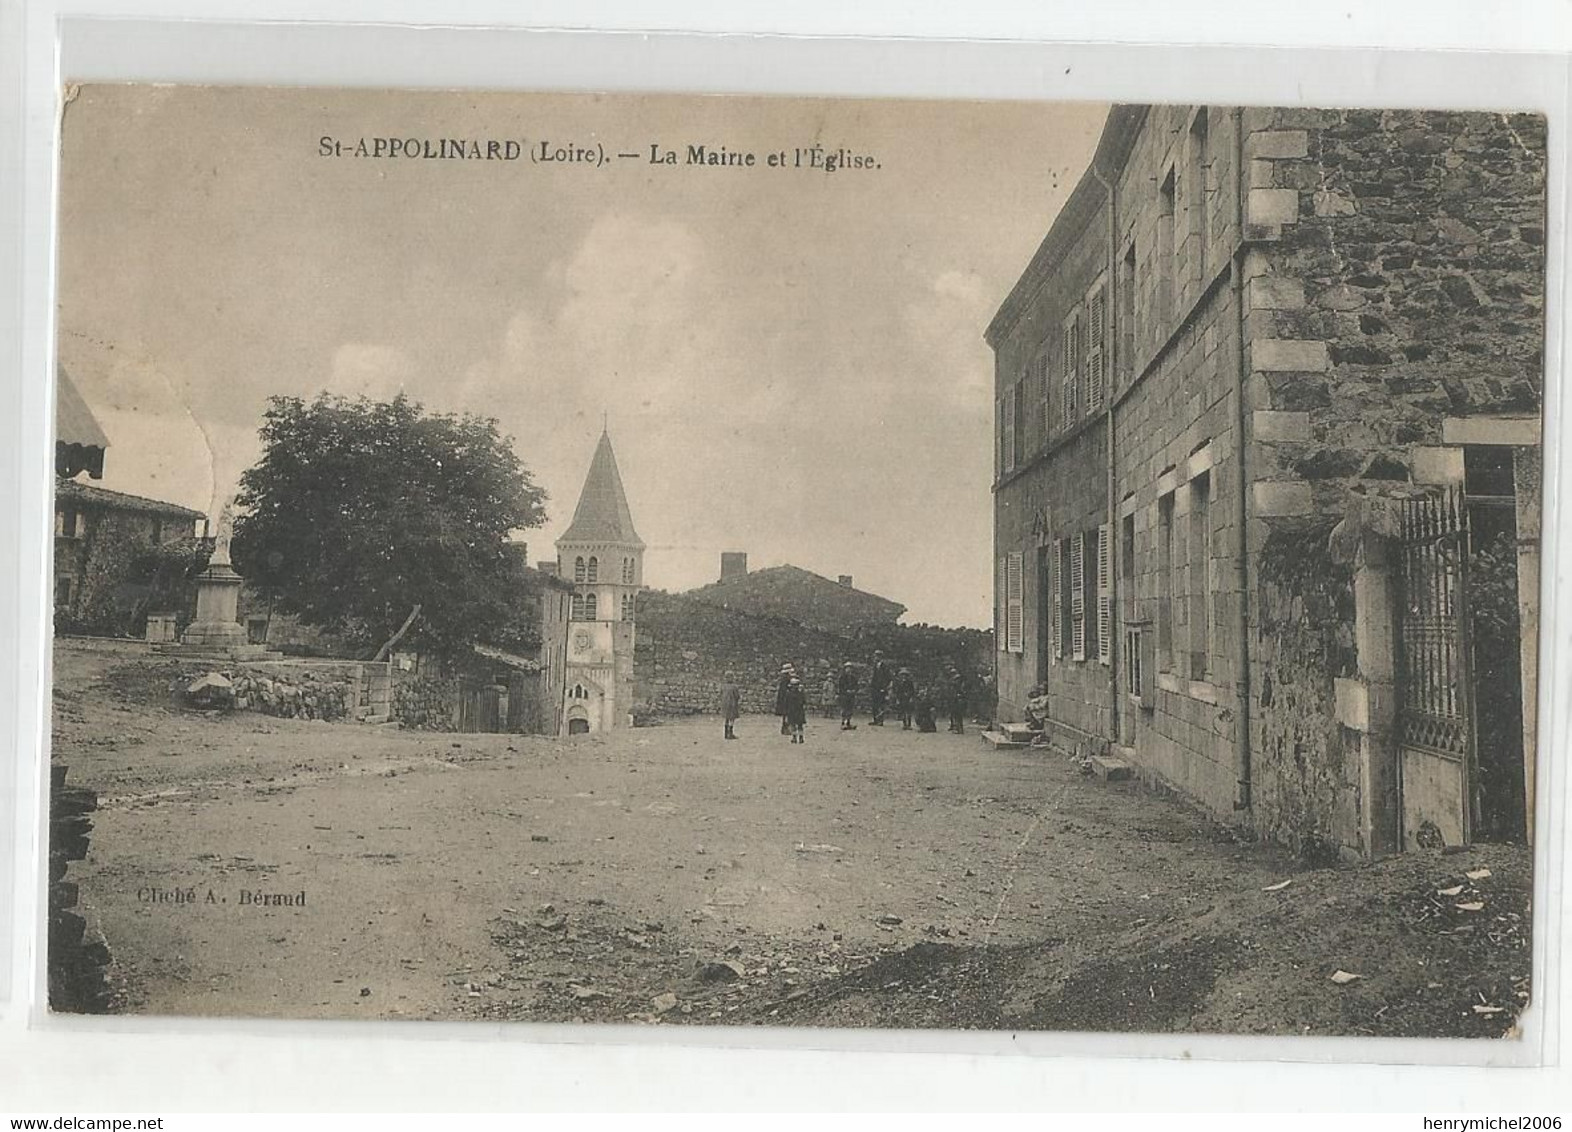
(1460, 681)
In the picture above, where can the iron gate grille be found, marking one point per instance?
(1434, 687)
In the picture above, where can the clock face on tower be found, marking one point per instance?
(582, 641)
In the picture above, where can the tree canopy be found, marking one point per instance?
(361, 510)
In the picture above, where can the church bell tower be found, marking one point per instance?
(603, 556)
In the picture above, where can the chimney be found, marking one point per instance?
(845, 580)
(734, 564)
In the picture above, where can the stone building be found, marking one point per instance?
(603, 557)
(1266, 494)
(797, 595)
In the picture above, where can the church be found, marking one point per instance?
(603, 556)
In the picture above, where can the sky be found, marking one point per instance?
(789, 361)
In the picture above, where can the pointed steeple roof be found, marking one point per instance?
(602, 514)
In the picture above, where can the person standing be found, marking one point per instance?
(878, 687)
(905, 697)
(796, 710)
(731, 705)
(956, 689)
(847, 689)
(787, 675)
(828, 694)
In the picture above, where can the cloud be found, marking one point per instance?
(368, 369)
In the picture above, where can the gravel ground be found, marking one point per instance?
(662, 875)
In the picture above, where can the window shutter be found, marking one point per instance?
(1009, 431)
(1078, 596)
(1104, 596)
(1096, 314)
(1056, 600)
(1013, 602)
(1043, 382)
(1070, 362)
(1000, 607)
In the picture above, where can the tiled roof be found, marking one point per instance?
(602, 514)
(119, 500)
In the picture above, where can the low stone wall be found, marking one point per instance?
(330, 691)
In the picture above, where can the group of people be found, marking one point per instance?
(887, 687)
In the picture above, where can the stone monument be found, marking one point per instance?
(217, 628)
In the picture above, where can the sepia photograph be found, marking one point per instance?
(677, 560)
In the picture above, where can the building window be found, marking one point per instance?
(1013, 604)
(1064, 598)
(1007, 437)
(627, 571)
(627, 607)
(1096, 317)
(577, 613)
(1166, 221)
(578, 569)
(1127, 565)
(68, 523)
(1196, 192)
(592, 572)
(1200, 597)
(1047, 622)
(1040, 370)
(1020, 421)
(1165, 594)
(590, 610)
(1069, 370)
(63, 591)
(1126, 327)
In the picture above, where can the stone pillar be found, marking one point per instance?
(217, 627)
(1367, 702)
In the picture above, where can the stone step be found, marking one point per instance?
(1110, 768)
(1018, 732)
(999, 740)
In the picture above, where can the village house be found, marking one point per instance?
(98, 532)
(1266, 486)
(798, 595)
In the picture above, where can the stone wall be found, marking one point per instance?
(425, 702)
(686, 647)
(293, 690)
(1406, 287)
(1175, 478)
(1305, 767)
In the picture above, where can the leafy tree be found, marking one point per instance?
(361, 512)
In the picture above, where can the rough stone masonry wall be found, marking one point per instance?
(684, 648)
(1396, 281)
(327, 692)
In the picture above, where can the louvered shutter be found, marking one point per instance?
(1096, 314)
(1043, 382)
(1056, 600)
(1104, 595)
(1069, 364)
(1009, 431)
(1013, 603)
(1000, 607)
(1078, 596)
